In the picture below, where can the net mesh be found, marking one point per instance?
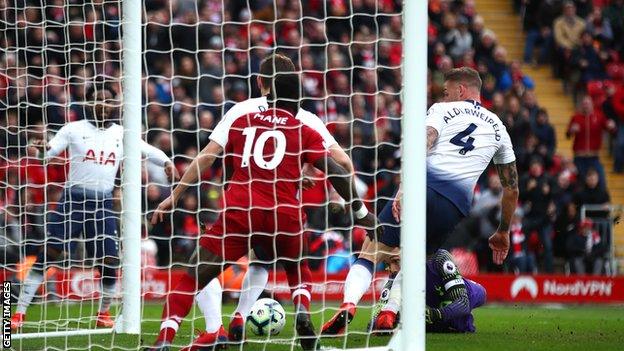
(199, 59)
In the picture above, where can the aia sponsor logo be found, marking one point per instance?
(90, 156)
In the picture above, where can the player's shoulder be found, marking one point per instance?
(305, 115)
(437, 107)
(309, 119)
(116, 127)
(441, 108)
(247, 106)
(75, 126)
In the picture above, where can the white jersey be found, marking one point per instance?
(95, 154)
(469, 137)
(221, 131)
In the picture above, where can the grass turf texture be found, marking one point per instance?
(498, 328)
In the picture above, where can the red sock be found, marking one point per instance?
(179, 303)
(299, 278)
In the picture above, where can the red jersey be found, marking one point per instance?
(589, 137)
(268, 150)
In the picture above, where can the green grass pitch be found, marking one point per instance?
(498, 328)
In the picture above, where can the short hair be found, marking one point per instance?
(99, 85)
(279, 75)
(465, 75)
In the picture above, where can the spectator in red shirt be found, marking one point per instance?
(587, 126)
(523, 260)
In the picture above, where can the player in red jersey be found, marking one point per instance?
(263, 209)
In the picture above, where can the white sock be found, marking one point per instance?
(108, 294)
(394, 299)
(254, 282)
(173, 323)
(357, 283)
(29, 289)
(209, 302)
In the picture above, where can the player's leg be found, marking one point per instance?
(180, 298)
(442, 218)
(106, 254)
(290, 249)
(214, 252)
(254, 282)
(209, 303)
(387, 318)
(360, 274)
(64, 223)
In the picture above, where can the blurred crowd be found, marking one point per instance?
(203, 56)
(200, 58)
(572, 36)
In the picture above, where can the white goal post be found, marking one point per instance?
(130, 317)
(413, 238)
(131, 185)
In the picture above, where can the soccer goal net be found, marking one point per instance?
(62, 206)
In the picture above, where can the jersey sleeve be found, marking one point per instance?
(434, 118)
(313, 121)
(222, 131)
(312, 148)
(153, 154)
(59, 142)
(505, 153)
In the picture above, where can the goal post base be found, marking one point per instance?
(58, 334)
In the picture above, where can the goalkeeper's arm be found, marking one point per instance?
(454, 294)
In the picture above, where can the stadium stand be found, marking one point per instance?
(485, 34)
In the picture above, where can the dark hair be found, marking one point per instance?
(99, 85)
(465, 75)
(278, 73)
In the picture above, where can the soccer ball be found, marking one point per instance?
(267, 317)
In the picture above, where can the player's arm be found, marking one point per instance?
(499, 242)
(342, 181)
(432, 136)
(159, 158)
(435, 123)
(340, 156)
(204, 160)
(455, 301)
(49, 150)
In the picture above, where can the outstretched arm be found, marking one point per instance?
(342, 181)
(159, 158)
(204, 160)
(499, 241)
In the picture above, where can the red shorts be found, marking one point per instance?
(270, 234)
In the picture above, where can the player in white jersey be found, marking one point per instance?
(257, 274)
(462, 139)
(95, 152)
